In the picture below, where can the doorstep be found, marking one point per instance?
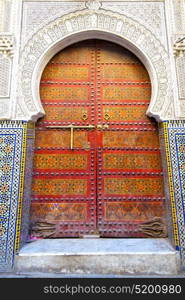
(99, 256)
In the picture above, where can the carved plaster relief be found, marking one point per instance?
(5, 74)
(179, 52)
(45, 43)
(179, 15)
(6, 45)
(35, 15)
(148, 14)
(6, 54)
(38, 14)
(179, 46)
(180, 66)
(5, 13)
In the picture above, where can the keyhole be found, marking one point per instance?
(84, 116)
(106, 116)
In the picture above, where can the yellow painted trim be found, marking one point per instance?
(21, 188)
(164, 125)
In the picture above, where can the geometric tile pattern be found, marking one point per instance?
(12, 160)
(174, 135)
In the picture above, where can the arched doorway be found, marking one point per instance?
(97, 167)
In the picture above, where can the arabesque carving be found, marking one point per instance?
(103, 21)
(6, 45)
(179, 47)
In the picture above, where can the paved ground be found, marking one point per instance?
(57, 275)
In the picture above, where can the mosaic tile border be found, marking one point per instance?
(12, 162)
(174, 135)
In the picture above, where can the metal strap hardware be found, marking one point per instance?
(102, 127)
(71, 127)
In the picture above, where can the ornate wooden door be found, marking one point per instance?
(97, 167)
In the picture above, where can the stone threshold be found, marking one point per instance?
(99, 256)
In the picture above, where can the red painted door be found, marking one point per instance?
(97, 167)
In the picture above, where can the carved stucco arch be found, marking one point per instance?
(101, 24)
